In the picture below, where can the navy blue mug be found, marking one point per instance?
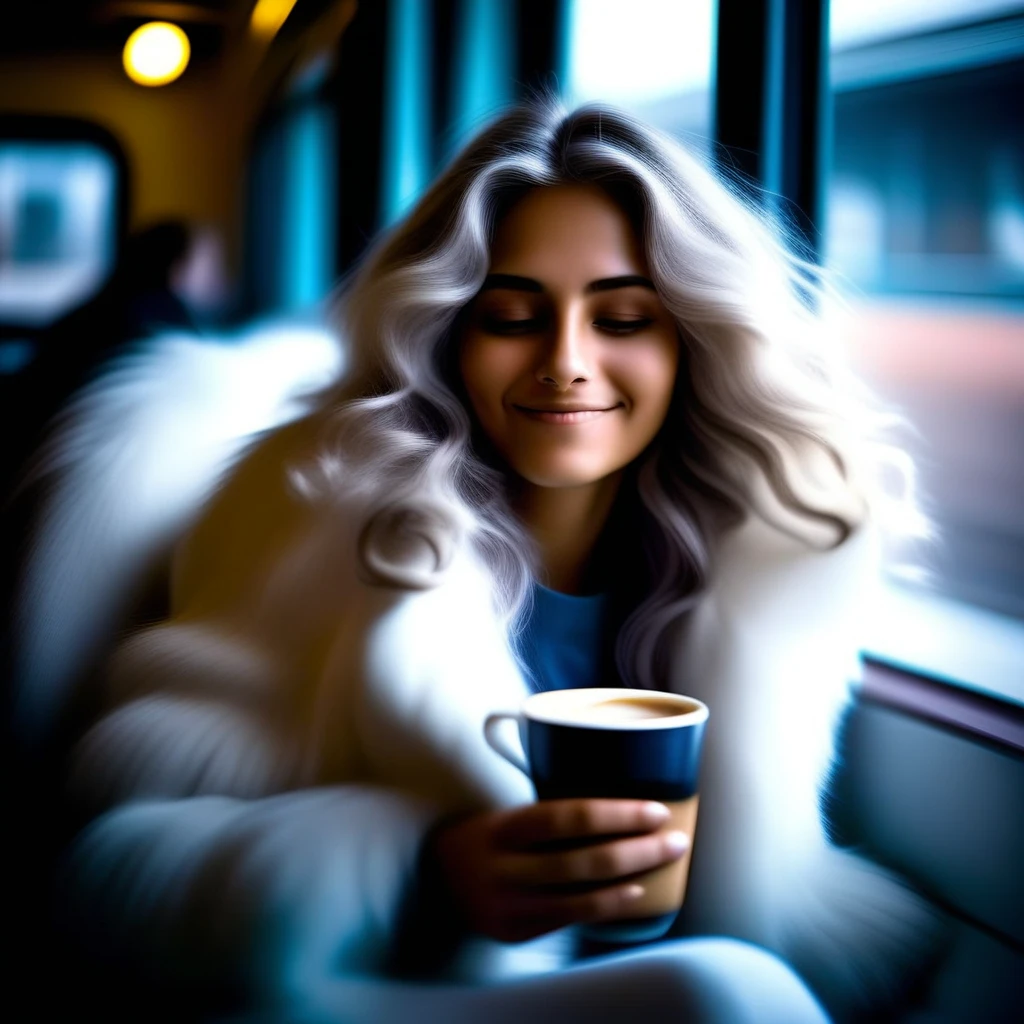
(611, 742)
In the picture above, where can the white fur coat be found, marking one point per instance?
(274, 752)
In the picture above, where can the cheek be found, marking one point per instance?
(472, 368)
(487, 370)
(648, 376)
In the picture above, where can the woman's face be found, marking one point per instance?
(568, 355)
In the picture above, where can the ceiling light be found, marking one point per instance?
(156, 53)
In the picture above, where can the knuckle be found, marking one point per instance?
(633, 815)
(600, 904)
(580, 817)
(605, 862)
(657, 849)
(620, 898)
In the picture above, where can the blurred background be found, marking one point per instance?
(277, 136)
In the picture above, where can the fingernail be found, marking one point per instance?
(677, 842)
(655, 813)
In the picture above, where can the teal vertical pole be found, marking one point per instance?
(482, 82)
(308, 269)
(774, 101)
(405, 146)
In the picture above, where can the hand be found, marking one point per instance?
(517, 874)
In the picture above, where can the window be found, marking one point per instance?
(58, 226)
(651, 57)
(926, 223)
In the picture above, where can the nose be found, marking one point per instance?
(566, 356)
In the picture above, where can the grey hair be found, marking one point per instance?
(764, 419)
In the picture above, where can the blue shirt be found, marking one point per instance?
(562, 645)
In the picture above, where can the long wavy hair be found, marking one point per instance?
(764, 419)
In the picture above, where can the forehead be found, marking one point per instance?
(566, 234)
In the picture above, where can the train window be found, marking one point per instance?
(925, 223)
(656, 62)
(58, 226)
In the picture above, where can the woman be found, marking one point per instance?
(590, 433)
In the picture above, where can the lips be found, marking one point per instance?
(553, 414)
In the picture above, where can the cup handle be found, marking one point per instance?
(498, 745)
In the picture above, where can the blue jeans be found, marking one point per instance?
(697, 981)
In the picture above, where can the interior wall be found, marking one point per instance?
(184, 148)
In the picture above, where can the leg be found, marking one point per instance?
(697, 981)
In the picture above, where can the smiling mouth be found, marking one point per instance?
(565, 416)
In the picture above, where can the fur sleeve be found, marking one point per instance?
(772, 651)
(128, 467)
(211, 862)
(262, 897)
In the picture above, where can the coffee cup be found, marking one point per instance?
(614, 742)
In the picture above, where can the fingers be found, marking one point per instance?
(550, 820)
(597, 863)
(522, 873)
(538, 915)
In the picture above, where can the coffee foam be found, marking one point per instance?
(627, 710)
(614, 708)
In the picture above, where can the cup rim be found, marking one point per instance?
(696, 713)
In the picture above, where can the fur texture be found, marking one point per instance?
(133, 458)
(275, 751)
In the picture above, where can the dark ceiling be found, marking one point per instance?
(38, 27)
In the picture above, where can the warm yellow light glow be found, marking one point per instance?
(269, 15)
(156, 53)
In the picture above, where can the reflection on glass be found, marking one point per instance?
(927, 193)
(926, 225)
(57, 224)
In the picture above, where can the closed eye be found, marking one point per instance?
(498, 325)
(618, 326)
(530, 325)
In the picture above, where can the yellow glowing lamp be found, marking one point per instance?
(269, 15)
(156, 53)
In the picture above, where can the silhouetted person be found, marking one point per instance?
(137, 301)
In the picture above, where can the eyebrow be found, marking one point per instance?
(514, 282)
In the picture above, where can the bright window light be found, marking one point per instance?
(640, 52)
(156, 53)
(58, 224)
(856, 22)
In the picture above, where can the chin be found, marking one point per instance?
(560, 477)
